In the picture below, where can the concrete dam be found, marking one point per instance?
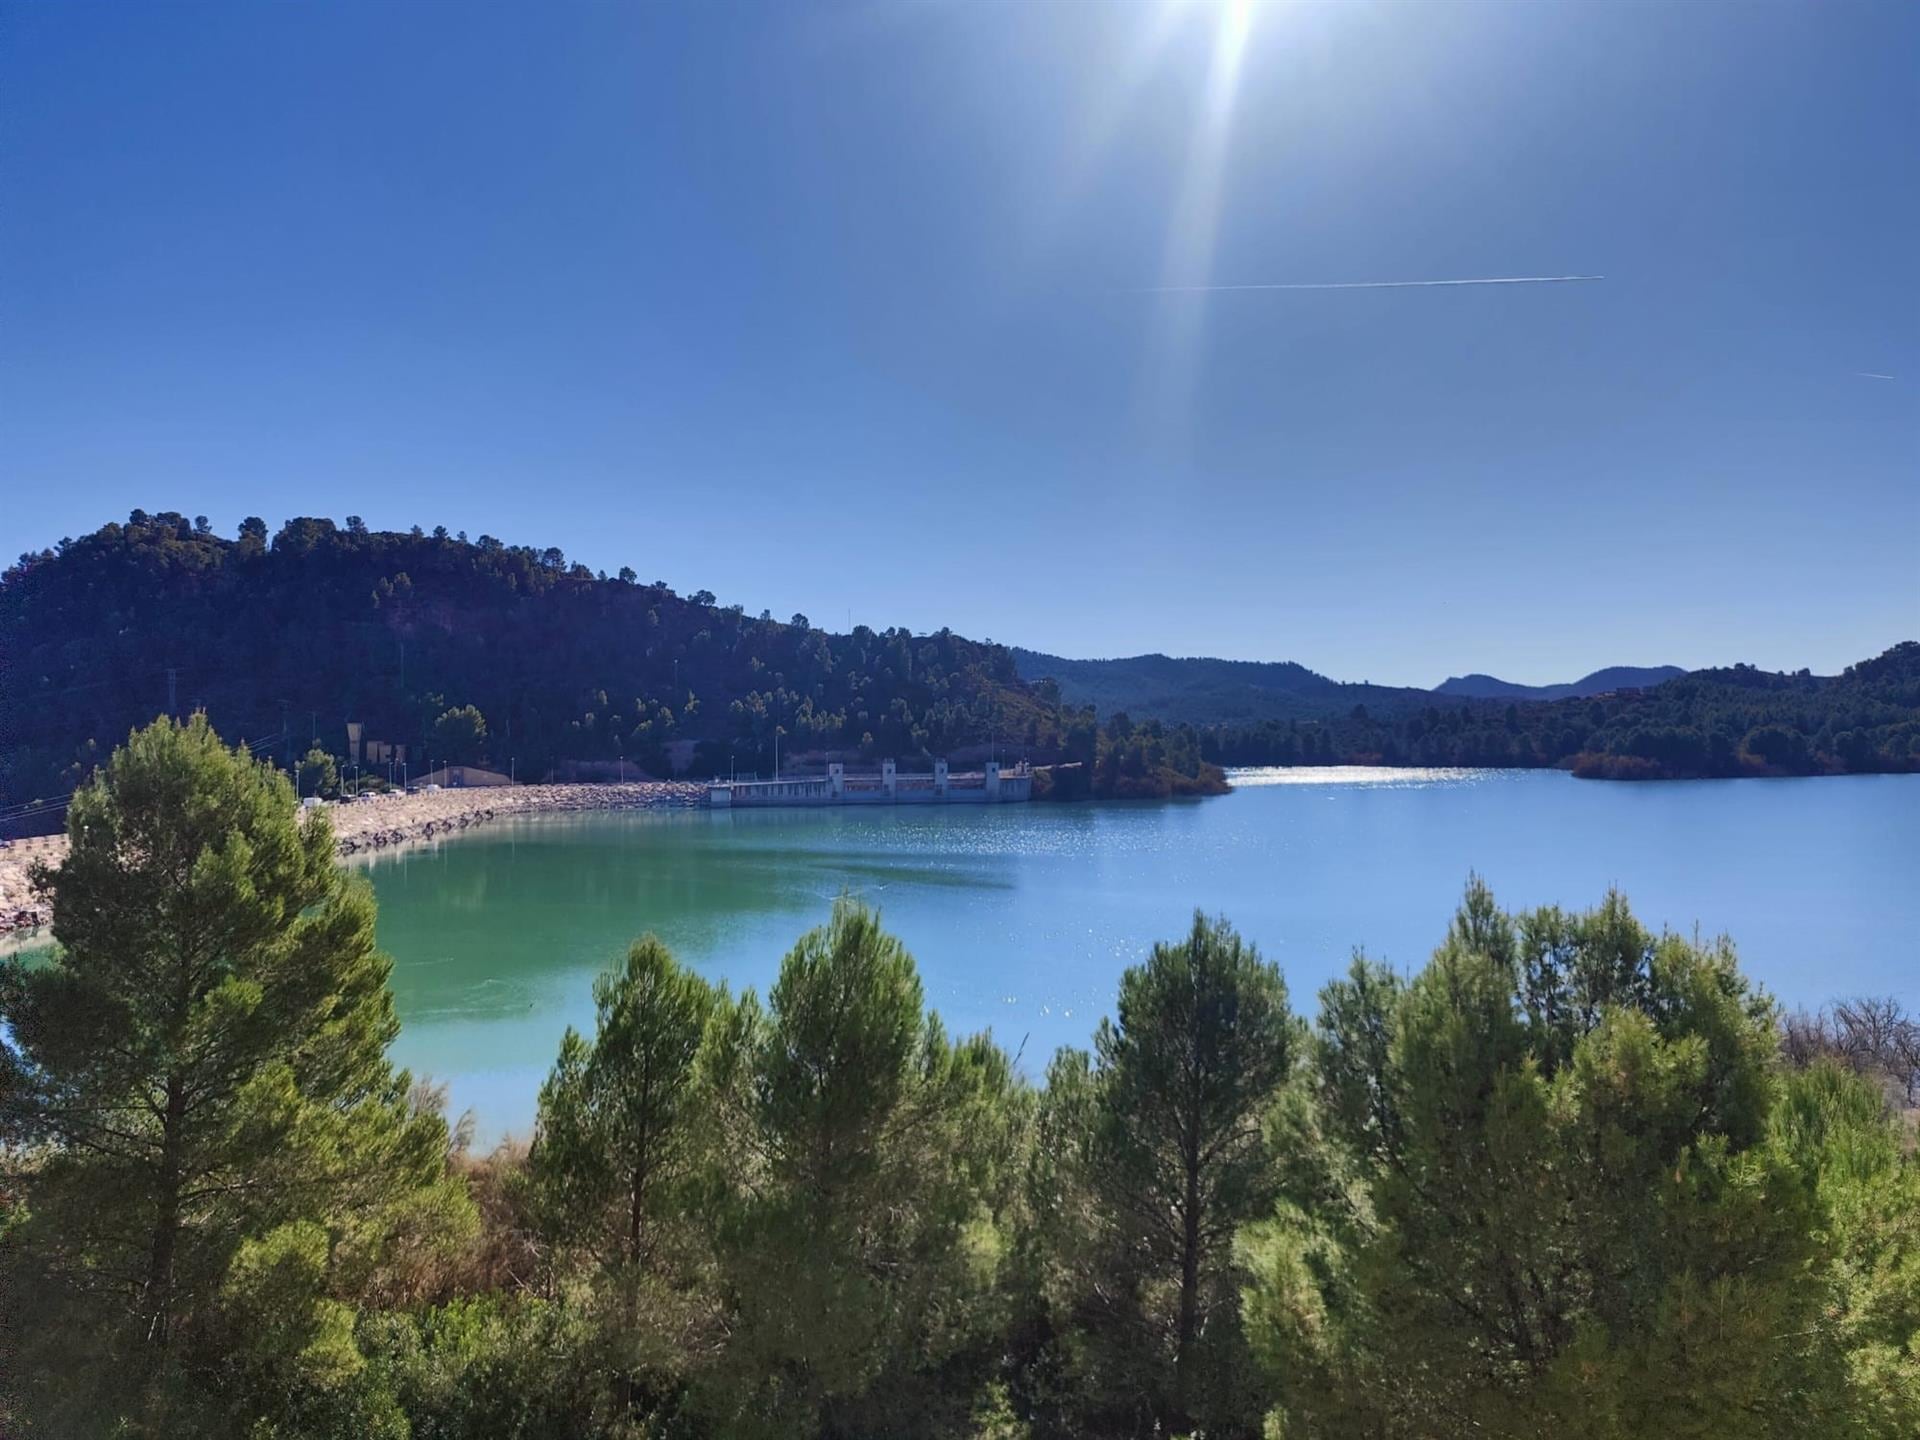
(991, 786)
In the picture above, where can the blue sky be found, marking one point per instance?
(850, 310)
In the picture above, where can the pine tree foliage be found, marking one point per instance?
(1537, 1195)
(1569, 1178)
(216, 1141)
(614, 1169)
(1148, 1161)
(861, 1233)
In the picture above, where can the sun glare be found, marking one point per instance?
(1194, 221)
(1235, 24)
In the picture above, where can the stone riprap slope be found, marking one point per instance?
(376, 822)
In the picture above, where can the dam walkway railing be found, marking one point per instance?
(992, 786)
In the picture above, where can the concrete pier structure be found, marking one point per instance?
(989, 786)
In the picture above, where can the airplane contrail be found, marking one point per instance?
(1372, 284)
(1874, 375)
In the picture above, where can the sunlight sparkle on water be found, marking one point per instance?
(1352, 775)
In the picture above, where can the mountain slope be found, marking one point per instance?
(1203, 691)
(1725, 722)
(293, 637)
(1600, 682)
(1621, 723)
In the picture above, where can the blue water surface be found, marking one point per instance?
(1022, 917)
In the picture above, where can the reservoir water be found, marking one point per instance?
(1022, 917)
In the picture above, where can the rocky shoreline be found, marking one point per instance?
(379, 822)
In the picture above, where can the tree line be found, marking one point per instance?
(1569, 1178)
(472, 652)
(480, 652)
(1722, 723)
(291, 636)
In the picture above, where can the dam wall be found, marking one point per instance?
(991, 786)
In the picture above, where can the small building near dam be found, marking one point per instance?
(991, 786)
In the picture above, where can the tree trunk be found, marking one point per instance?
(638, 1190)
(158, 1299)
(629, 1388)
(1189, 1298)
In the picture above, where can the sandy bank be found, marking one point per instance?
(377, 822)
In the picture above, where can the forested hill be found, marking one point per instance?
(1614, 677)
(1623, 723)
(1200, 690)
(317, 625)
(1711, 723)
(478, 651)
(1203, 691)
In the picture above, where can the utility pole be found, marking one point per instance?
(173, 691)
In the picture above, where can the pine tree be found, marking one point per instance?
(616, 1121)
(203, 1064)
(869, 1156)
(1535, 1196)
(619, 1140)
(1203, 1045)
(1857, 1374)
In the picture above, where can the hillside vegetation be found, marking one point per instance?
(469, 651)
(482, 652)
(1711, 723)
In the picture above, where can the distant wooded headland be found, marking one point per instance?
(1623, 723)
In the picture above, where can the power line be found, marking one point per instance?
(26, 809)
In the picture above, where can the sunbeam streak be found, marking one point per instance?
(1196, 213)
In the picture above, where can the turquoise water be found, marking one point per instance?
(1022, 917)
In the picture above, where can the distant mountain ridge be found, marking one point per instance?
(1600, 682)
(1731, 721)
(1200, 690)
(1621, 723)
